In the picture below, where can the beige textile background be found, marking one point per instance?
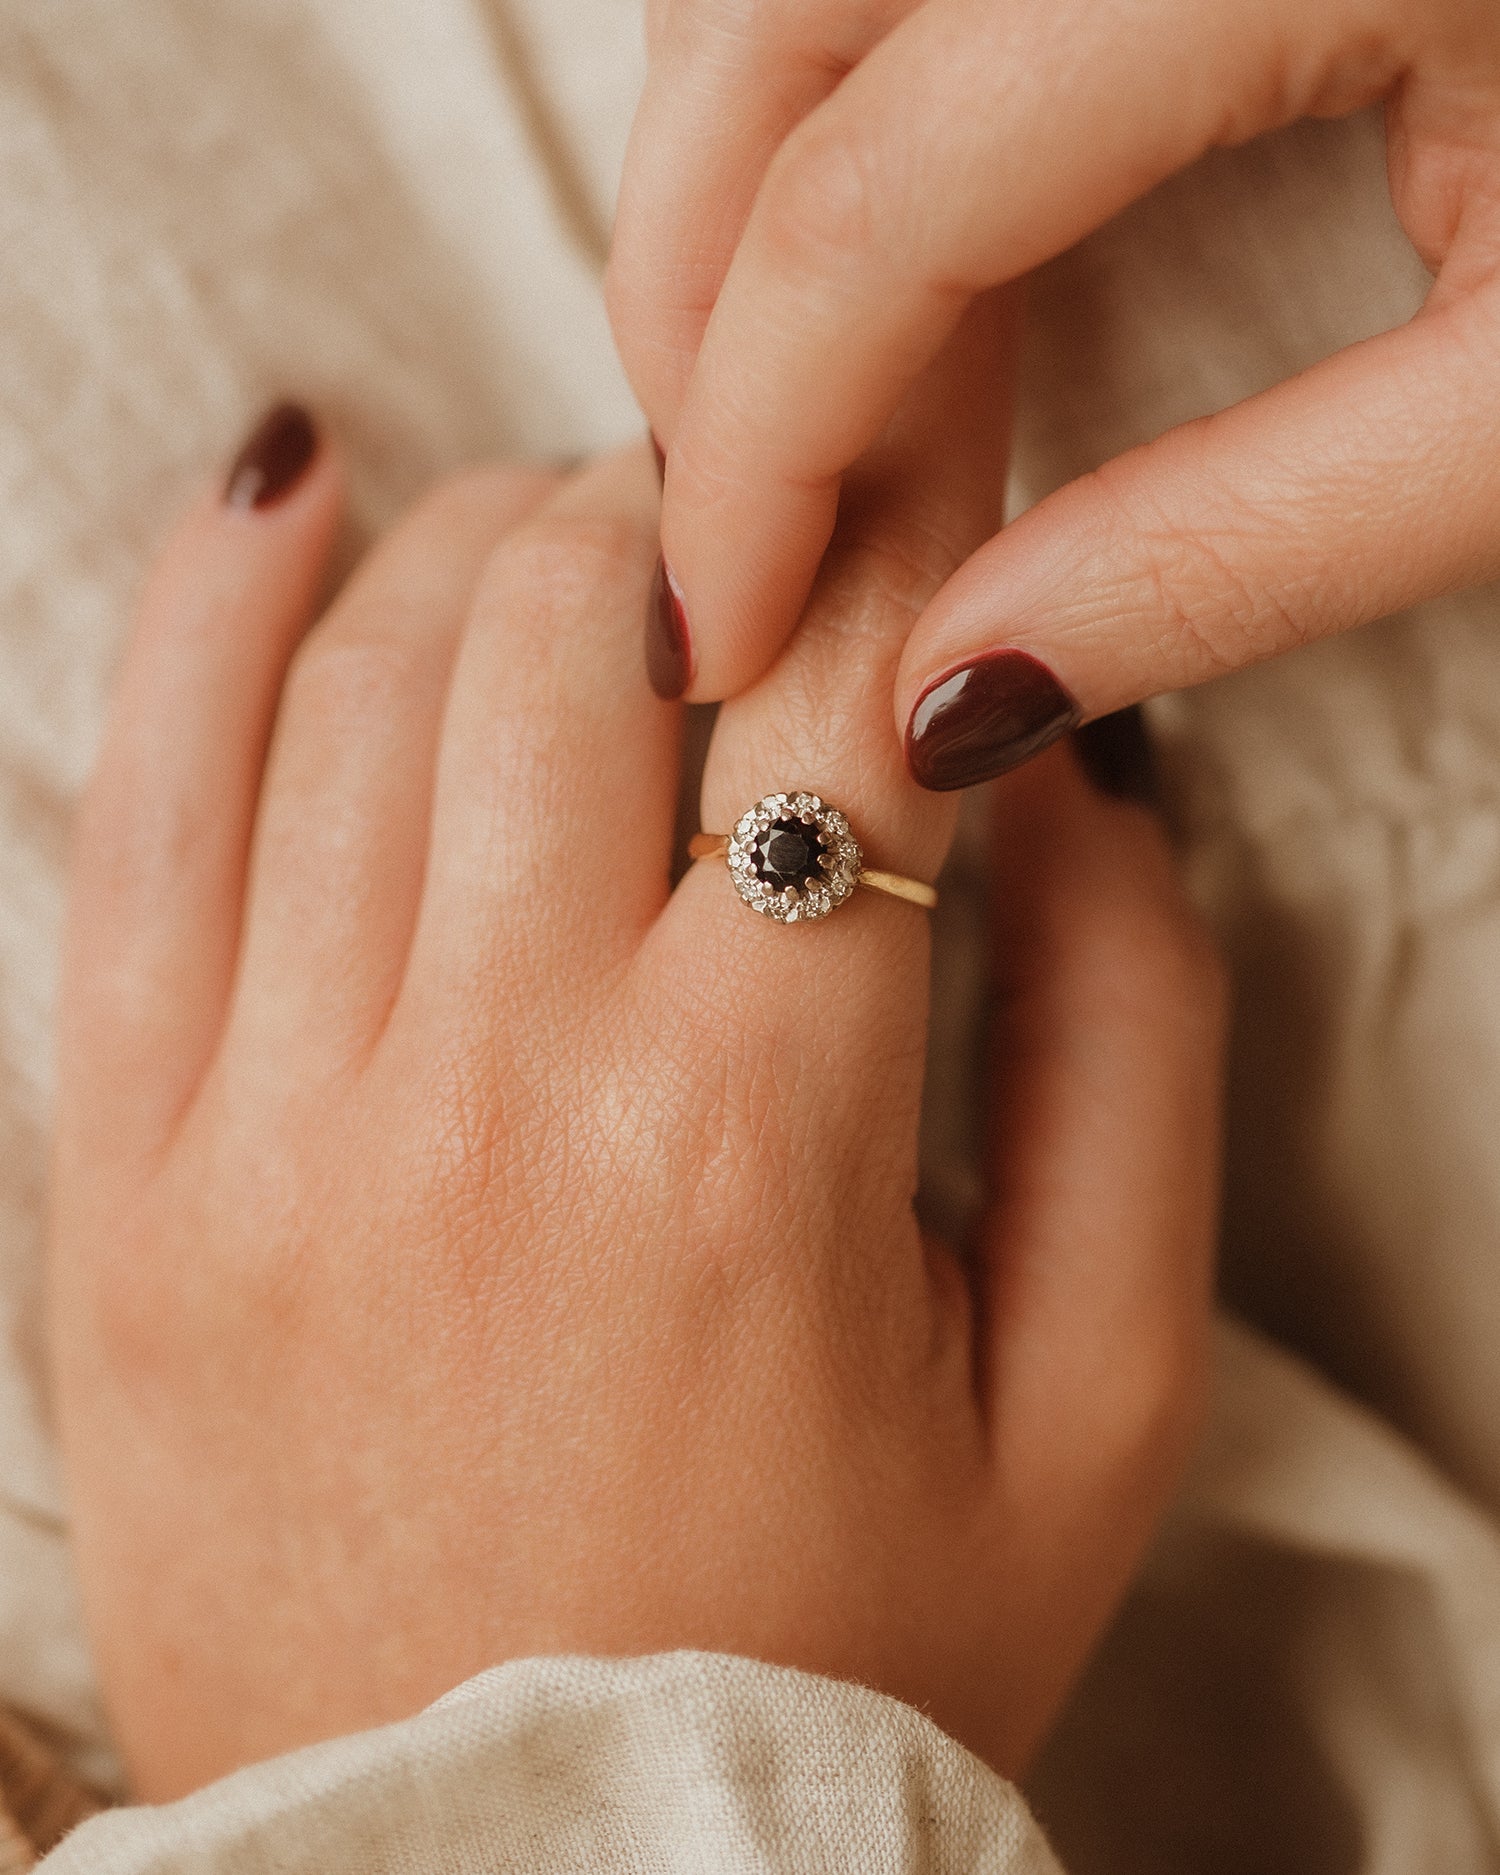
(400, 212)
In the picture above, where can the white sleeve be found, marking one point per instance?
(675, 1762)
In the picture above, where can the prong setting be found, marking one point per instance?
(793, 858)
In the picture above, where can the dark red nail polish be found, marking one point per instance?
(273, 461)
(987, 718)
(669, 648)
(661, 459)
(1115, 753)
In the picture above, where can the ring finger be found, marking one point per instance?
(820, 721)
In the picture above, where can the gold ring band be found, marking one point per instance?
(793, 858)
(716, 846)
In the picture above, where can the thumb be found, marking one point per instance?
(1370, 483)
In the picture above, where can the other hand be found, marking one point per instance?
(815, 191)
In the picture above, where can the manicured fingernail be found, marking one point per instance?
(1117, 756)
(661, 459)
(987, 718)
(274, 460)
(669, 647)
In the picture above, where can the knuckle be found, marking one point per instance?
(825, 40)
(340, 680)
(1158, 1397)
(1178, 971)
(1203, 591)
(562, 564)
(481, 491)
(1156, 963)
(902, 559)
(819, 204)
(711, 25)
(1215, 604)
(755, 32)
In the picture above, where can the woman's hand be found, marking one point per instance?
(465, 1248)
(817, 188)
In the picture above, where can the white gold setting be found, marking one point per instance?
(839, 863)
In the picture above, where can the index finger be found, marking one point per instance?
(973, 143)
(726, 84)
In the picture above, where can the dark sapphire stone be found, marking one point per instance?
(789, 852)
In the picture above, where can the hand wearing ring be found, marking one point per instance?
(467, 1246)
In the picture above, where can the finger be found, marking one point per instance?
(881, 215)
(164, 832)
(341, 841)
(840, 1005)
(728, 80)
(557, 775)
(919, 501)
(1366, 485)
(1096, 1258)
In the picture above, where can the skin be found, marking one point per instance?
(465, 1247)
(816, 189)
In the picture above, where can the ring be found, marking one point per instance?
(793, 858)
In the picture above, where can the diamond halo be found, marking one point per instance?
(793, 858)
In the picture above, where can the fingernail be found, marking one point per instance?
(1117, 756)
(669, 647)
(985, 719)
(274, 460)
(661, 459)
